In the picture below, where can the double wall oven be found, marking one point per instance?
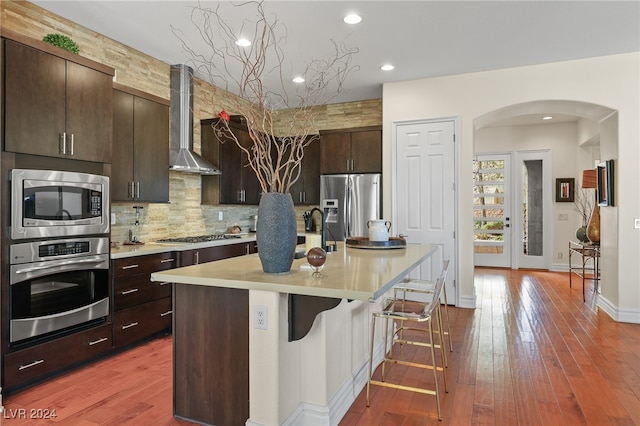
(59, 252)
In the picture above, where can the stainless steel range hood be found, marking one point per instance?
(181, 155)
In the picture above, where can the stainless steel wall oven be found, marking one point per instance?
(57, 285)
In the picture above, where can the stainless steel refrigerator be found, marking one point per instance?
(349, 201)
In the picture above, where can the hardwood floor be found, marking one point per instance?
(531, 354)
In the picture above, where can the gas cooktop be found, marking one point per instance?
(196, 239)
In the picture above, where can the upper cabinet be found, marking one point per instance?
(238, 183)
(55, 106)
(140, 146)
(356, 150)
(306, 190)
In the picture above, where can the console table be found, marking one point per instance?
(588, 267)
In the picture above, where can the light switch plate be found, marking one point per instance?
(636, 223)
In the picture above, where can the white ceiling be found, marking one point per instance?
(421, 38)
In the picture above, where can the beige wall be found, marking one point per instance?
(611, 81)
(184, 214)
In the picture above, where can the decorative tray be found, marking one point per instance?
(364, 243)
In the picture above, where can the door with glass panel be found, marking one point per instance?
(491, 210)
(534, 215)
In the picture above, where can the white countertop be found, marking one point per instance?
(153, 248)
(349, 273)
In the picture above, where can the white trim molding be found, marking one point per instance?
(618, 314)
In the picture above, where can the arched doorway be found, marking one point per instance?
(572, 138)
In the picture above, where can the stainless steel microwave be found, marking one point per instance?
(48, 203)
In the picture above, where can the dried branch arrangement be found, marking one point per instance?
(275, 159)
(583, 203)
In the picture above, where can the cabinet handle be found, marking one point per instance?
(138, 189)
(164, 283)
(348, 165)
(239, 196)
(133, 290)
(196, 257)
(247, 248)
(62, 145)
(33, 364)
(304, 196)
(71, 149)
(353, 165)
(130, 266)
(167, 260)
(131, 190)
(95, 342)
(133, 324)
(164, 314)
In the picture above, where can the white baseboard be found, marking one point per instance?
(468, 302)
(318, 415)
(620, 315)
(559, 267)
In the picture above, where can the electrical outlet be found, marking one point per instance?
(113, 218)
(220, 216)
(636, 223)
(260, 317)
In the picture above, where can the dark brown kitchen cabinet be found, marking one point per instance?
(238, 183)
(55, 106)
(39, 361)
(356, 150)
(141, 307)
(210, 254)
(140, 146)
(306, 190)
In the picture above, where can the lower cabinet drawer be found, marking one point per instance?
(38, 361)
(133, 324)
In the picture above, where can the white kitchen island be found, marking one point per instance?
(220, 358)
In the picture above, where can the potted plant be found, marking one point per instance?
(62, 41)
(277, 149)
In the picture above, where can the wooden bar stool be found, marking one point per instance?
(397, 310)
(409, 285)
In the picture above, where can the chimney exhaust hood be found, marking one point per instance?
(181, 155)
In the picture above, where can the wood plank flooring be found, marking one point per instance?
(532, 353)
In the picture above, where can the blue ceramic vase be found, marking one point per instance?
(276, 234)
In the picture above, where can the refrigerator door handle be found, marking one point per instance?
(347, 208)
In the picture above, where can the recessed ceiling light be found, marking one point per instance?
(243, 42)
(352, 18)
(298, 80)
(547, 117)
(387, 67)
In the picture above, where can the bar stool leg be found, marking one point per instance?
(443, 352)
(446, 314)
(435, 370)
(373, 335)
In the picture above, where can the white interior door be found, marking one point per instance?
(424, 205)
(491, 210)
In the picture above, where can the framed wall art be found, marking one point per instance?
(604, 174)
(565, 190)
